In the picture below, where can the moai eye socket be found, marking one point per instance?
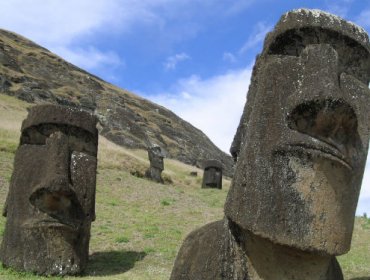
(331, 121)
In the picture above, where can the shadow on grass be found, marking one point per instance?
(112, 262)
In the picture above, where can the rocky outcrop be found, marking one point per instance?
(32, 73)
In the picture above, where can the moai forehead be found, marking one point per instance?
(303, 138)
(51, 200)
(58, 115)
(77, 125)
(301, 19)
(156, 150)
(212, 163)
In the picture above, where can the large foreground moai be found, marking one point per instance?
(212, 176)
(51, 199)
(301, 146)
(156, 164)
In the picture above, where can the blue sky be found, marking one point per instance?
(191, 56)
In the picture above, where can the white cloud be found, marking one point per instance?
(55, 22)
(229, 57)
(258, 35)
(238, 6)
(66, 25)
(213, 105)
(172, 61)
(61, 25)
(90, 57)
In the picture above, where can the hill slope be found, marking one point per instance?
(140, 225)
(33, 74)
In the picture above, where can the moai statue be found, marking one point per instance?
(51, 199)
(301, 147)
(212, 176)
(156, 164)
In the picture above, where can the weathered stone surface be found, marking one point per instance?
(156, 164)
(300, 152)
(212, 176)
(219, 251)
(33, 74)
(51, 199)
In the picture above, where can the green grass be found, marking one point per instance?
(140, 224)
(356, 264)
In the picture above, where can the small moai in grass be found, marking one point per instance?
(156, 164)
(212, 176)
(300, 152)
(51, 199)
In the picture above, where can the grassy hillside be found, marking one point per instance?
(33, 74)
(140, 224)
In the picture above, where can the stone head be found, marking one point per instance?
(156, 157)
(303, 138)
(212, 177)
(51, 200)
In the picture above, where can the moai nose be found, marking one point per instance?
(54, 195)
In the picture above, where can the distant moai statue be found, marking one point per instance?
(51, 199)
(193, 173)
(301, 150)
(156, 164)
(212, 176)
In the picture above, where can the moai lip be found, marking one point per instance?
(212, 176)
(300, 152)
(51, 199)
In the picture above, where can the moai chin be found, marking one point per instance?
(301, 149)
(156, 164)
(51, 199)
(212, 176)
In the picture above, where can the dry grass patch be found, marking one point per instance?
(140, 224)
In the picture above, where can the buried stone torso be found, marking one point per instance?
(221, 250)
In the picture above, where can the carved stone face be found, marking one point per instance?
(212, 177)
(156, 164)
(302, 158)
(156, 157)
(51, 200)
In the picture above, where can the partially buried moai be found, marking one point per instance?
(212, 176)
(301, 149)
(51, 199)
(156, 164)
